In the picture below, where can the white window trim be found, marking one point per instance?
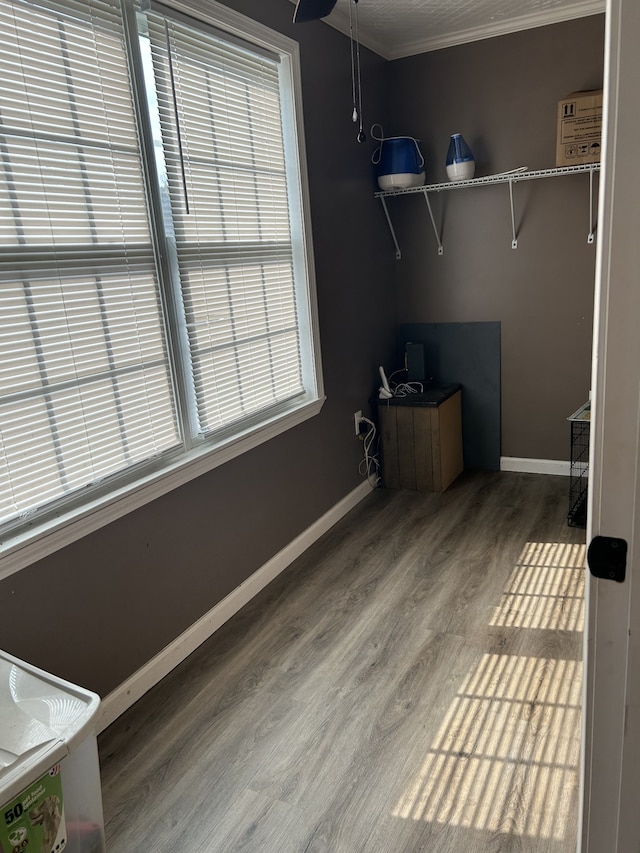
(49, 536)
(69, 525)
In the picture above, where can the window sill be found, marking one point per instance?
(22, 550)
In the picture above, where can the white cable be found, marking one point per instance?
(406, 388)
(402, 389)
(369, 467)
(399, 370)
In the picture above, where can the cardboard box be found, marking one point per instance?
(579, 128)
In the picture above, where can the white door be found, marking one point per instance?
(610, 820)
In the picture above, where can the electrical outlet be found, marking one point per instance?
(357, 417)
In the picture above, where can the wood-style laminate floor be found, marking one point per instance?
(411, 683)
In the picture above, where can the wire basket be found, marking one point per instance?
(579, 466)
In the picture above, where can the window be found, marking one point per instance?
(156, 304)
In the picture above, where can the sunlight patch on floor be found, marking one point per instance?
(546, 589)
(510, 741)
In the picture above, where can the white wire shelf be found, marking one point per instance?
(511, 178)
(502, 178)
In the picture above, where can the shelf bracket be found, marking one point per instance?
(590, 238)
(514, 236)
(433, 223)
(511, 178)
(390, 224)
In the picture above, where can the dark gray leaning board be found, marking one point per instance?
(468, 353)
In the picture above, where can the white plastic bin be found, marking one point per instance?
(49, 771)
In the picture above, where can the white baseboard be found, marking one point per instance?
(124, 696)
(534, 466)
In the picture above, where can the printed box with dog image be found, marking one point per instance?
(34, 820)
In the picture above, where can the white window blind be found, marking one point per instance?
(155, 301)
(220, 113)
(85, 387)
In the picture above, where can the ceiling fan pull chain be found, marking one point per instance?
(361, 134)
(354, 115)
(311, 10)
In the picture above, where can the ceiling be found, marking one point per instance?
(396, 28)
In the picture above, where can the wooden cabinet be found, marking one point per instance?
(422, 439)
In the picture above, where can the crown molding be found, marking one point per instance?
(339, 20)
(500, 28)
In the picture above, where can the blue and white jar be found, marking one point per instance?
(461, 165)
(398, 162)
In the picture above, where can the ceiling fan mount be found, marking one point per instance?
(312, 10)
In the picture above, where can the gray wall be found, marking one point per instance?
(502, 94)
(99, 609)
